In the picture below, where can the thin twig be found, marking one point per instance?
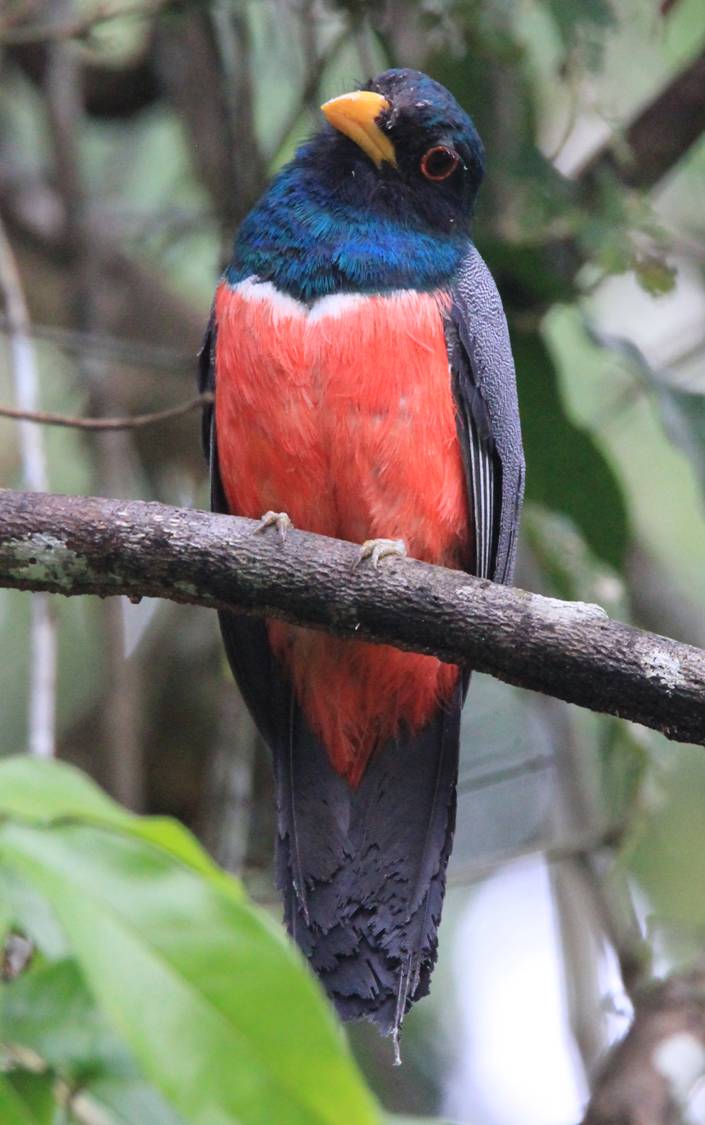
(41, 735)
(130, 422)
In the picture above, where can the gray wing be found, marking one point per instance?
(484, 387)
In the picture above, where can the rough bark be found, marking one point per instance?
(85, 545)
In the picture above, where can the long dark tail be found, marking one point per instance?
(362, 872)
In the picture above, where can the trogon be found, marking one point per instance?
(364, 388)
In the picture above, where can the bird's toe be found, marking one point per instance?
(376, 549)
(280, 520)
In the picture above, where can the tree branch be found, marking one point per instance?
(660, 135)
(85, 545)
(650, 1074)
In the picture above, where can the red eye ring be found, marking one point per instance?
(439, 163)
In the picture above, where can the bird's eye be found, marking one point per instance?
(439, 163)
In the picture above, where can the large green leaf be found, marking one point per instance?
(36, 1092)
(14, 1110)
(30, 914)
(49, 791)
(565, 470)
(129, 1099)
(219, 1010)
(6, 917)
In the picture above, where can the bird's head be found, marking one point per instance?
(403, 147)
(380, 199)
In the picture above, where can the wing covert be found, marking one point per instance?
(484, 387)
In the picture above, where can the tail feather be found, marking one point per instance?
(375, 874)
(361, 871)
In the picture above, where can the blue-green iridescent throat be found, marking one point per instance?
(309, 243)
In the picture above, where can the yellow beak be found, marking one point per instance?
(355, 115)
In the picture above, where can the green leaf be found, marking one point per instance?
(51, 1012)
(682, 412)
(14, 1110)
(30, 915)
(528, 273)
(47, 792)
(131, 1099)
(216, 1005)
(654, 274)
(36, 1092)
(6, 916)
(565, 470)
(570, 15)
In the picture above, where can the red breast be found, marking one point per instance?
(342, 415)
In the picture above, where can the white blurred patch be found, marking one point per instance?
(665, 331)
(136, 619)
(681, 1060)
(518, 1065)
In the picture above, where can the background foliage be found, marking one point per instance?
(130, 147)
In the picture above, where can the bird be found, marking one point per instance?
(363, 387)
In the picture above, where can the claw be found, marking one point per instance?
(280, 520)
(377, 549)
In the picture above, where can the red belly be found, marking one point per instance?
(343, 417)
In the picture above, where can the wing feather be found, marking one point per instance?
(484, 386)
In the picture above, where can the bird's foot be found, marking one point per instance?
(280, 520)
(377, 549)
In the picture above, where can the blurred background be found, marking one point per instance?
(134, 136)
